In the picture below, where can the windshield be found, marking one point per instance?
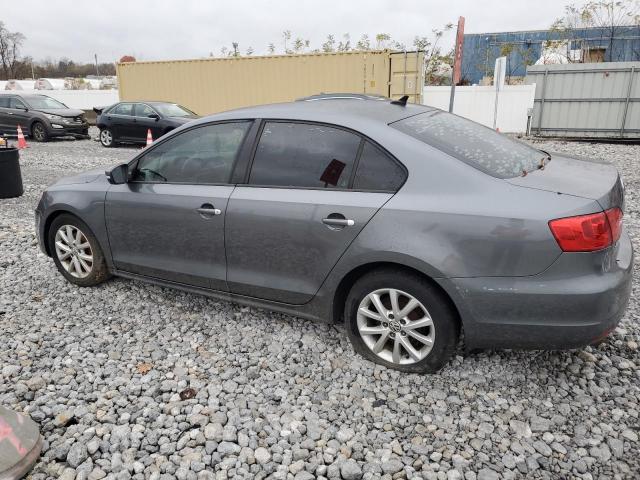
(475, 144)
(42, 102)
(172, 110)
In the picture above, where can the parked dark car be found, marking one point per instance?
(129, 122)
(406, 222)
(40, 117)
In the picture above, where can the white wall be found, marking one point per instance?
(82, 99)
(477, 103)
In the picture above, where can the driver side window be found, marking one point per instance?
(202, 155)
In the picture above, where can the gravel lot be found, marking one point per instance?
(104, 372)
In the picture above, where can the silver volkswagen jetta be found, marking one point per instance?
(407, 223)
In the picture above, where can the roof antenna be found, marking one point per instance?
(401, 101)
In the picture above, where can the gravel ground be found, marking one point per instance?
(129, 380)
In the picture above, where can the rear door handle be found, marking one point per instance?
(339, 222)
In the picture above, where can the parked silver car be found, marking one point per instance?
(407, 223)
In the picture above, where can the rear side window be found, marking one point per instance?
(479, 146)
(377, 171)
(123, 109)
(4, 102)
(304, 155)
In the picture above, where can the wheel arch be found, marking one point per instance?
(346, 283)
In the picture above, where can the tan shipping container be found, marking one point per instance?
(217, 84)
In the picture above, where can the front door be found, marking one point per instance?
(144, 123)
(17, 115)
(168, 221)
(290, 225)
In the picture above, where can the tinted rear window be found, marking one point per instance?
(479, 146)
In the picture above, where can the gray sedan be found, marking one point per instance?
(404, 222)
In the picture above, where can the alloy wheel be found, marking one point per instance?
(106, 138)
(74, 251)
(395, 326)
(38, 132)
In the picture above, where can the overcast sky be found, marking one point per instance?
(166, 29)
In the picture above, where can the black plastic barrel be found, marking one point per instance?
(10, 176)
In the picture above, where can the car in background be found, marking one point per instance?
(40, 117)
(129, 122)
(407, 223)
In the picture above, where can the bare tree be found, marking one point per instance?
(286, 35)
(10, 43)
(330, 44)
(271, 48)
(364, 43)
(249, 51)
(382, 40)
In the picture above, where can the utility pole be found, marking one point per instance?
(95, 55)
(457, 62)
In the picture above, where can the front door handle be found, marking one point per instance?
(338, 222)
(208, 209)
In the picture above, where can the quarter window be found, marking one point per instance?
(202, 155)
(123, 109)
(377, 171)
(4, 101)
(304, 155)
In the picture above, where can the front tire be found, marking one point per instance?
(400, 320)
(76, 251)
(39, 132)
(106, 138)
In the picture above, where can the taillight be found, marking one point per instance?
(586, 233)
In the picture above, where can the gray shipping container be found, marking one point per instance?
(586, 100)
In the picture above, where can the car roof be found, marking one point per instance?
(352, 112)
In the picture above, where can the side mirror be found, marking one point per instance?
(118, 175)
(154, 115)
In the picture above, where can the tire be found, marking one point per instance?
(67, 265)
(438, 321)
(39, 132)
(106, 138)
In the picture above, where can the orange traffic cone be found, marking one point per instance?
(149, 137)
(22, 143)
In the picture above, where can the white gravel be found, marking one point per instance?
(102, 371)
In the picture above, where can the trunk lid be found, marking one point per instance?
(569, 175)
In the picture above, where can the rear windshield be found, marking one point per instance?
(479, 146)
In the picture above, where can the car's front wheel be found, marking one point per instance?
(106, 138)
(76, 251)
(39, 132)
(401, 320)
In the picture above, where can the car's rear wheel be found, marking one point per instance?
(76, 251)
(106, 138)
(400, 320)
(39, 132)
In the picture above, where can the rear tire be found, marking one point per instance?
(39, 132)
(418, 338)
(76, 251)
(106, 138)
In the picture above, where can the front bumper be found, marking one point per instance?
(575, 302)
(59, 129)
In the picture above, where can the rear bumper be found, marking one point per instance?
(575, 302)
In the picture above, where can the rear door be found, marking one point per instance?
(122, 121)
(168, 221)
(298, 213)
